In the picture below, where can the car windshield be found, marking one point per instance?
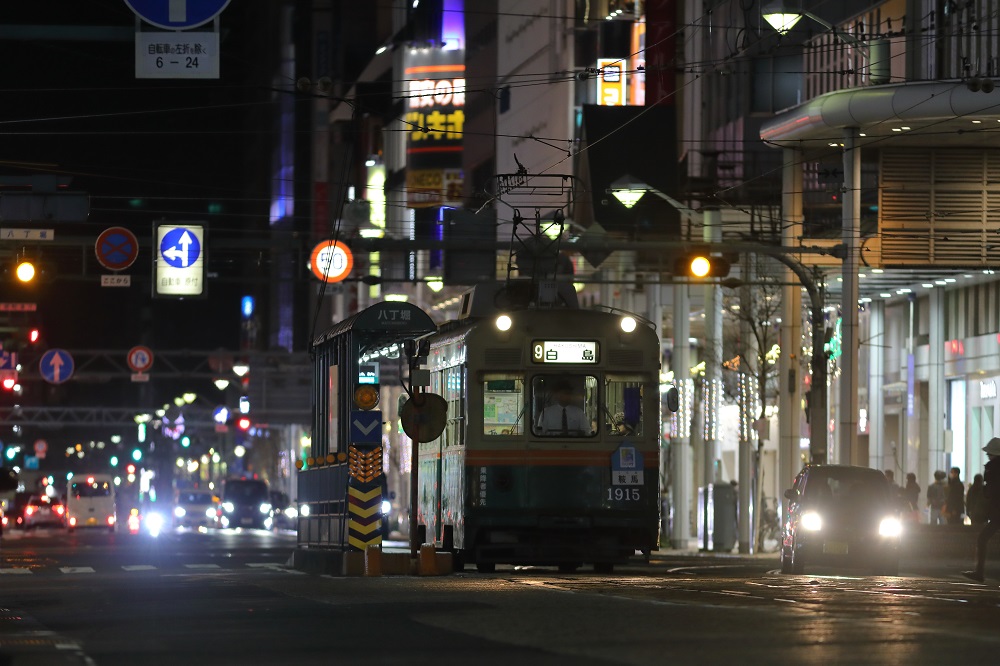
(246, 491)
(194, 498)
(847, 487)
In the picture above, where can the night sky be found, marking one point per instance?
(144, 150)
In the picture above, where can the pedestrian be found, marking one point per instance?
(911, 499)
(991, 492)
(937, 492)
(954, 504)
(975, 502)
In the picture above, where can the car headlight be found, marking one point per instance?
(154, 523)
(890, 527)
(386, 507)
(228, 507)
(291, 512)
(811, 521)
(265, 508)
(179, 512)
(210, 513)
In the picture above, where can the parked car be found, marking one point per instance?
(246, 503)
(196, 508)
(841, 516)
(43, 510)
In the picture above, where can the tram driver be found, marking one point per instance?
(564, 415)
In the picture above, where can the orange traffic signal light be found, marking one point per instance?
(700, 265)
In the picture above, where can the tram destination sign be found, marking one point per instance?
(564, 351)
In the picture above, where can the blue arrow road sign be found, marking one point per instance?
(56, 366)
(366, 427)
(177, 14)
(180, 247)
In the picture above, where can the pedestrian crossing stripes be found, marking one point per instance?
(132, 568)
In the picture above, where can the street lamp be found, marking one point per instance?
(783, 19)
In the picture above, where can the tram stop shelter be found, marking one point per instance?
(366, 348)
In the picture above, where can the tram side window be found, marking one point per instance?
(623, 405)
(503, 404)
(564, 405)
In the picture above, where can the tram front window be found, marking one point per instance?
(623, 405)
(503, 404)
(564, 405)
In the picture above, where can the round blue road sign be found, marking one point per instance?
(116, 248)
(177, 14)
(180, 248)
(56, 366)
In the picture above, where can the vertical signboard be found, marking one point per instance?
(611, 82)
(435, 121)
(180, 260)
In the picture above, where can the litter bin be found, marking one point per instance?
(717, 517)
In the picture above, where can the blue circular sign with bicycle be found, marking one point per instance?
(180, 247)
(177, 14)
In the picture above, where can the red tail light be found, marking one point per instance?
(29, 510)
(60, 509)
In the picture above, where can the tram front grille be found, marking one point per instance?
(625, 358)
(503, 357)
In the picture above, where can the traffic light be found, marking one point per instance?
(25, 269)
(243, 423)
(33, 335)
(9, 380)
(185, 441)
(701, 264)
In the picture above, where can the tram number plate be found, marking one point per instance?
(835, 547)
(621, 494)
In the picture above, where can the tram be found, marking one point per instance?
(550, 452)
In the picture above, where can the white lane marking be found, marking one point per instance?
(201, 566)
(15, 571)
(264, 565)
(76, 570)
(138, 567)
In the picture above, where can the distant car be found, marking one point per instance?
(15, 511)
(43, 510)
(246, 503)
(841, 516)
(285, 515)
(195, 508)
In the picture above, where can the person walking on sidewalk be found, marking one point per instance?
(991, 491)
(936, 494)
(954, 505)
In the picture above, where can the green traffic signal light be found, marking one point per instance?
(185, 441)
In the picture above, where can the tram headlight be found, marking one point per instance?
(628, 324)
(504, 322)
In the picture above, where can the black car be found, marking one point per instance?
(246, 503)
(841, 516)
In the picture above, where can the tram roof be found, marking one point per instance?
(381, 324)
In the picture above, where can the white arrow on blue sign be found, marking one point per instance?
(180, 248)
(366, 427)
(177, 14)
(56, 366)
